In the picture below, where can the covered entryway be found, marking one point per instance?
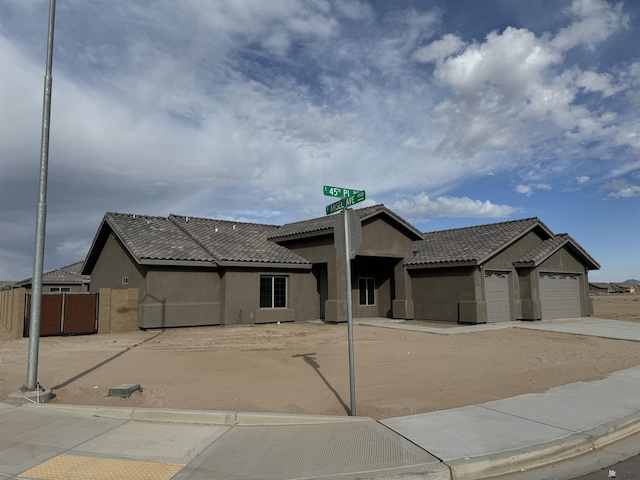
(64, 314)
(496, 285)
(560, 295)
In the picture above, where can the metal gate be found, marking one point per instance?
(64, 314)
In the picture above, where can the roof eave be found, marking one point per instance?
(177, 263)
(249, 264)
(418, 266)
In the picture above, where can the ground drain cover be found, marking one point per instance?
(125, 390)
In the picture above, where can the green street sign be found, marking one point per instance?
(346, 202)
(339, 191)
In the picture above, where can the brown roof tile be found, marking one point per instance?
(155, 238)
(229, 241)
(472, 245)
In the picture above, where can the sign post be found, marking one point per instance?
(349, 197)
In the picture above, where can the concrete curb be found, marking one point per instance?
(544, 454)
(205, 417)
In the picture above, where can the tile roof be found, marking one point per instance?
(470, 245)
(155, 238)
(67, 274)
(324, 225)
(229, 241)
(547, 248)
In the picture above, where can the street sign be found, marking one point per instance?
(339, 191)
(353, 232)
(346, 202)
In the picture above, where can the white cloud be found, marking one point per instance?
(582, 179)
(422, 205)
(440, 49)
(524, 189)
(626, 192)
(593, 21)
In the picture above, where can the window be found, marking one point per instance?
(273, 292)
(125, 280)
(367, 288)
(54, 289)
(65, 289)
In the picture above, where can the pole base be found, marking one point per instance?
(33, 395)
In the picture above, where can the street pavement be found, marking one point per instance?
(571, 429)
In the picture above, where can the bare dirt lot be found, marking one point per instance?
(303, 367)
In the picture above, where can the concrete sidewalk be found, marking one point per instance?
(501, 437)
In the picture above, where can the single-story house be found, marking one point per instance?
(599, 288)
(63, 279)
(198, 271)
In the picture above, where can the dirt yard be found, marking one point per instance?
(303, 368)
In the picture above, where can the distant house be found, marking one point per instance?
(198, 271)
(598, 288)
(64, 279)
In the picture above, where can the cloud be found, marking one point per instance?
(422, 205)
(439, 49)
(623, 190)
(582, 179)
(528, 190)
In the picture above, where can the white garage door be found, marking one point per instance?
(560, 295)
(496, 286)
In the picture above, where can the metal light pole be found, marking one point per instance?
(38, 260)
(347, 259)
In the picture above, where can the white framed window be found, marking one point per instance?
(367, 288)
(54, 289)
(125, 280)
(273, 291)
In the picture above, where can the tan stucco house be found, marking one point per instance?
(64, 279)
(197, 271)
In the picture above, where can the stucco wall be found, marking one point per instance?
(437, 292)
(241, 297)
(180, 297)
(112, 265)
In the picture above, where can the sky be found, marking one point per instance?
(452, 113)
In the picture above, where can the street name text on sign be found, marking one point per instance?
(346, 202)
(339, 191)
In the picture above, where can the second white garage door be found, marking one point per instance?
(560, 295)
(496, 286)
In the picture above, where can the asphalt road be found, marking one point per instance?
(627, 470)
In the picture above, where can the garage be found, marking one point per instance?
(497, 296)
(560, 295)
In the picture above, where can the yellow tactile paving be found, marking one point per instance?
(74, 467)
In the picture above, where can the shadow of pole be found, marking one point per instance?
(104, 362)
(308, 358)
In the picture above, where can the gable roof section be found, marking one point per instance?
(150, 240)
(547, 248)
(470, 245)
(238, 243)
(324, 225)
(190, 241)
(69, 274)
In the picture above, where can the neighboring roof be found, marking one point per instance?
(324, 225)
(603, 286)
(70, 274)
(471, 245)
(188, 241)
(547, 248)
(237, 242)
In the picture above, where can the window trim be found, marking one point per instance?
(369, 291)
(278, 298)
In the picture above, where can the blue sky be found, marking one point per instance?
(451, 113)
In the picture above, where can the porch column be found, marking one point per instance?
(402, 306)
(335, 307)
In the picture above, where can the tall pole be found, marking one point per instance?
(347, 259)
(41, 216)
